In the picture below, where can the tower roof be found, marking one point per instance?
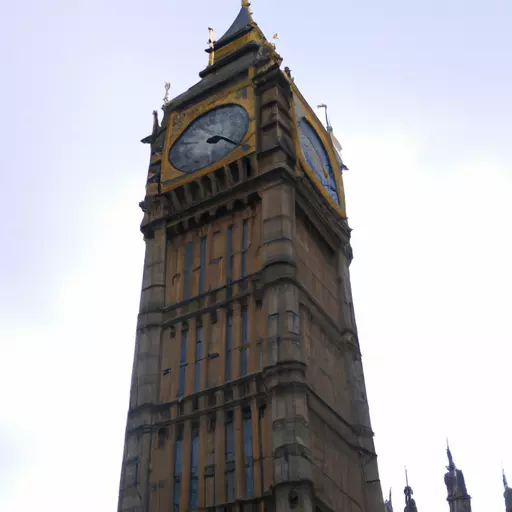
(242, 24)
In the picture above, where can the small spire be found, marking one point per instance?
(410, 503)
(156, 126)
(451, 465)
(389, 503)
(241, 25)
(505, 483)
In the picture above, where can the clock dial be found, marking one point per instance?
(210, 138)
(316, 156)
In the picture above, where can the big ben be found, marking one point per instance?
(247, 389)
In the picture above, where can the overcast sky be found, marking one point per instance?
(419, 94)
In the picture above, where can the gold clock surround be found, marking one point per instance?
(240, 94)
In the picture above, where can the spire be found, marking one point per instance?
(458, 497)
(388, 504)
(242, 24)
(410, 503)
(507, 494)
(451, 465)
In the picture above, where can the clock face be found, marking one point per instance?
(316, 156)
(210, 138)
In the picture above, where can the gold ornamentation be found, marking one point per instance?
(211, 45)
(246, 4)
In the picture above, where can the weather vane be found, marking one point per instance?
(167, 87)
(211, 45)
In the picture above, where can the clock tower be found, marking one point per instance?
(247, 389)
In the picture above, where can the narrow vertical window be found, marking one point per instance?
(230, 437)
(229, 255)
(245, 244)
(183, 362)
(188, 269)
(229, 325)
(202, 262)
(230, 486)
(244, 347)
(248, 458)
(261, 418)
(194, 469)
(230, 457)
(199, 349)
(178, 464)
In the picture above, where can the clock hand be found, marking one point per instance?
(217, 138)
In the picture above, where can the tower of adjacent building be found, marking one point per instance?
(458, 497)
(507, 494)
(248, 391)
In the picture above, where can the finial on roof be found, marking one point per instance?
(451, 465)
(211, 46)
(167, 87)
(246, 4)
(156, 126)
(242, 24)
(388, 504)
(507, 494)
(410, 503)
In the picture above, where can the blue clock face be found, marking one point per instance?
(210, 138)
(316, 156)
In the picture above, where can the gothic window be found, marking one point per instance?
(194, 468)
(245, 245)
(230, 437)
(178, 465)
(188, 269)
(199, 349)
(248, 458)
(244, 347)
(230, 486)
(202, 263)
(229, 325)
(183, 363)
(229, 255)
(230, 457)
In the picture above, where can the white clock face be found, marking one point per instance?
(210, 138)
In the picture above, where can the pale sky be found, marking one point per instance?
(419, 94)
